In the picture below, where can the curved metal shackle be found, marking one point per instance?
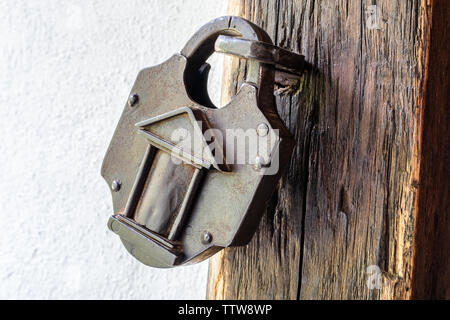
(202, 45)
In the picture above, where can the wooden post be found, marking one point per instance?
(363, 211)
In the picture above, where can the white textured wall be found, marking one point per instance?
(66, 68)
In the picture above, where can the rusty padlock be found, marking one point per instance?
(189, 179)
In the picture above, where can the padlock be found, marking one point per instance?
(189, 179)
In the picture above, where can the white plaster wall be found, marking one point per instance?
(66, 68)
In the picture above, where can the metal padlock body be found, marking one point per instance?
(227, 202)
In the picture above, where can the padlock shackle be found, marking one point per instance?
(202, 45)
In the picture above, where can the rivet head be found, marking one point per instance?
(206, 237)
(133, 99)
(262, 130)
(115, 185)
(115, 227)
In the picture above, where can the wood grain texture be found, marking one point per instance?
(353, 195)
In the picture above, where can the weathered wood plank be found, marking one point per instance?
(350, 198)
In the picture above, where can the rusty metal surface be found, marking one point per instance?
(221, 204)
(260, 51)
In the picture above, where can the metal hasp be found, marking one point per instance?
(188, 179)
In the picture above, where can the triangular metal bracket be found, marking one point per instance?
(206, 159)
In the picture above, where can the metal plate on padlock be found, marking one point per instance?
(188, 179)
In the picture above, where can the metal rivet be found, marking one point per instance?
(133, 99)
(262, 129)
(206, 237)
(115, 185)
(115, 227)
